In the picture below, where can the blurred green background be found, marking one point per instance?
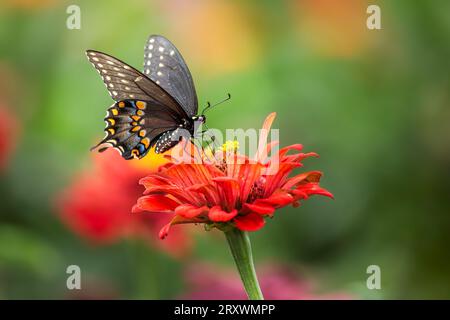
(373, 103)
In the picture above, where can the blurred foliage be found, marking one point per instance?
(373, 104)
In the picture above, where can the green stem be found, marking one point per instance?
(241, 250)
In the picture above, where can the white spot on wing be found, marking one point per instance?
(172, 52)
(161, 49)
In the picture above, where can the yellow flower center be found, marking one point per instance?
(230, 146)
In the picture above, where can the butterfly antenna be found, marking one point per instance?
(209, 106)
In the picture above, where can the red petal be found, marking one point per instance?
(277, 179)
(164, 231)
(136, 209)
(249, 173)
(154, 180)
(285, 150)
(324, 192)
(223, 178)
(249, 222)
(259, 208)
(216, 214)
(278, 199)
(176, 220)
(230, 191)
(155, 203)
(189, 211)
(263, 134)
(299, 194)
(311, 176)
(306, 190)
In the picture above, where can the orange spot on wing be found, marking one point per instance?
(145, 142)
(140, 105)
(135, 153)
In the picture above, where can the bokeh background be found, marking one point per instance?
(373, 103)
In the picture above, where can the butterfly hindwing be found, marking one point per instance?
(134, 126)
(164, 65)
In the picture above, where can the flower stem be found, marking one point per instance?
(241, 250)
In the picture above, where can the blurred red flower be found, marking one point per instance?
(97, 205)
(223, 193)
(277, 283)
(8, 135)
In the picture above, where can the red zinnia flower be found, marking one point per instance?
(240, 193)
(97, 205)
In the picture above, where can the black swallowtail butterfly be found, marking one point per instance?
(151, 108)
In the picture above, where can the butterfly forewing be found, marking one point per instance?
(124, 82)
(164, 64)
(117, 76)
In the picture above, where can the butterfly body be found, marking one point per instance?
(152, 109)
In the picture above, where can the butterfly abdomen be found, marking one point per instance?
(168, 140)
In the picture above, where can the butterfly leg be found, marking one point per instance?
(212, 140)
(210, 136)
